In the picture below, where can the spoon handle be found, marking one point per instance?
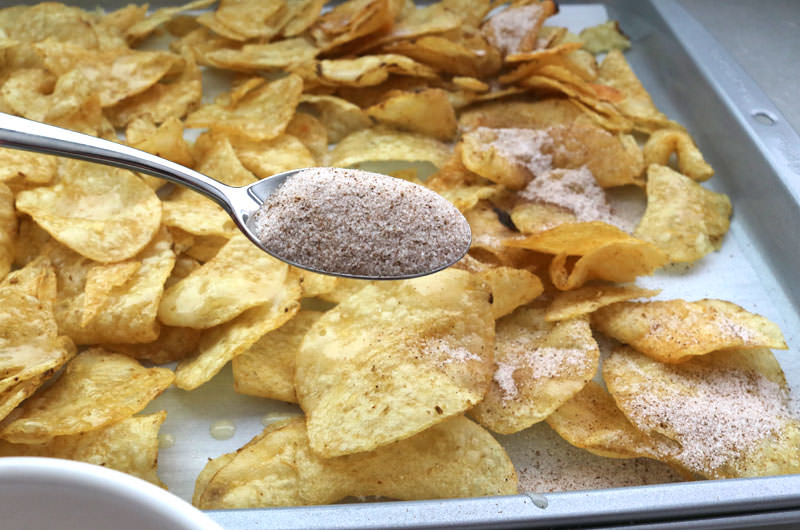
(29, 135)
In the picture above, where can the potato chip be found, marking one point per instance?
(684, 219)
(510, 157)
(223, 343)
(468, 54)
(664, 142)
(606, 253)
(262, 114)
(539, 366)
(520, 114)
(532, 217)
(588, 299)
(268, 157)
(8, 229)
(24, 169)
(604, 37)
(103, 213)
(241, 276)
(144, 27)
(279, 55)
(727, 410)
(97, 389)
(37, 279)
(197, 214)
(516, 28)
(217, 159)
(311, 132)
(101, 279)
(266, 369)
(673, 331)
(343, 289)
(130, 446)
(422, 20)
(591, 420)
(173, 344)
(368, 70)
(204, 248)
(350, 20)
(165, 140)
(383, 144)
(489, 236)
(302, 13)
(19, 392)
(253, 18)
(120, 311)
(339, 116)
(427, 112)
(315, 284)
(455, 458)
(510, 287)
(367, 378)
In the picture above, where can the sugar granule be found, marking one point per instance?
(358, 223)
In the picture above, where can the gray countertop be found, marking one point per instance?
(764, 38)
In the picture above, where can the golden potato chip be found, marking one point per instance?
(489, 236)
(684, 219)
(455, 458)
(664, 142)
(19, 392)
(367, 70)
(673, 331)
(266, 369)
(239, 277)
(24, 169)
(539, 366)
(37, 279)
(532, 217)
(130, 446)
(220, 344)
(279, 55)
(101, 279)
(97, 389)
(422, 20)
(204, 248)
(144, 27)
(588, 299)
(315, 284)
(217, 159)
(382, 144)
(606, 253)
(520, 114)
(470, 83)
(366, 378)
(173, 344)
(302, 13)
(165, 141)
(350, 20)
(253, 18)
(427, 112)
(516, 28)
(268, 157)
(103, 213)
(727, 410)
(591, 420)
(604, 37)
(8, 229)
(262, 114)
(339, 116)
(197, 214)
(510, 157)
(311, 132)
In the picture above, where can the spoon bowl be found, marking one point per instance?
(239, 202)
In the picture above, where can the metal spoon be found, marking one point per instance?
(238, 202)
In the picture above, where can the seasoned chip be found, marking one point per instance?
(455, 458)
(592, 421)
(539, 366)
(664, 142)
(606, 253)
(239, 277)
(394, 359)
(673, 331)
(516, 28)
(604, 37)
(97, 389)
(684, 219)
(266, 369)
(130, 446)
(223, 343)
(428, 112)
(279, 55)
(510, 157)
(268, 157)
(588, 299)
(261, 114)
(728, 410)
(384, 144)
(103, 213)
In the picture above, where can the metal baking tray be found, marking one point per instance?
(756, 155)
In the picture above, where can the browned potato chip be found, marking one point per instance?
(394, 359)
(455, 458)
(684, 219)
(350, 20)
(728, 411)
(97, 389)
(539, 366)
(384, 144)
(266, 369)
(428, 112)
(130, 446)
(103, 213)
(588, 299)
(664, 142)
(673, 331)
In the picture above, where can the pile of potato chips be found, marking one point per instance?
(400, 382)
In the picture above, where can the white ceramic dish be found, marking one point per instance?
(51, 493)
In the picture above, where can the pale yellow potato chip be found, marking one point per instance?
(253, 18)
(24, 169)
(368, 70)
(269, 157)
(241, 276)
(455, 458)
(510, 287)
(101, 279)
(591, 420)
(165, 141)
(684, 219)
(10, 398)
(130, 446)
(278, 55)
(590, 298)
(539, 366)
(261, 114)
(673, 331)
(97, 389)
(311, 132)
(532, 217)
(204, 248)
(217, 159)
(266, 369)
(489, 237)
(427, 112)
(196, 214)
(315, 284)
(728, 410)
(145, 27)
(342, 289)
(103, 213)
(380, 144)
(37, 279)
(664, 142)
(604, 37)
(394, 359)
(8, 229)
(223, 343)
(339, 116)
(128, 313)
(173, 344)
